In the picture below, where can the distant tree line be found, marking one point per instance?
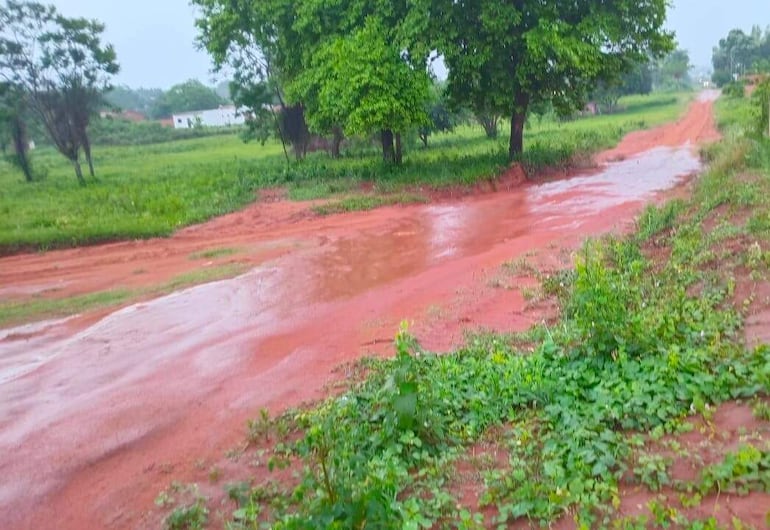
(671, 73)
(155, 103)
(740, 53)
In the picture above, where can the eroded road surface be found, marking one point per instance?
(98, 413)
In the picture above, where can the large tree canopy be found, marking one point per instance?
(60, 66)
(505, 57)
(290, 47)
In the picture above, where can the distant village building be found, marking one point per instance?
(221, 117)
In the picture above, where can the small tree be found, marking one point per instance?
(490, 122)
(62, 68)
(13, 128)
(761, 98)
(440, 118)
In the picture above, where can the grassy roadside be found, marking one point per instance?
(151, 190)
(18, 312)
(564, 420)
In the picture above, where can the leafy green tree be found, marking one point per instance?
(505, 57)
(638, 80)
(189, 96)
(739, 53)
(61, 67)
(364, 84)
(255, 41)
(277, 42)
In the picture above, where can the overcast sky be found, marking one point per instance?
(154, 39)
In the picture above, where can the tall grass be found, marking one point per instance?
(152, 190)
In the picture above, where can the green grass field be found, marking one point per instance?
(152, 190)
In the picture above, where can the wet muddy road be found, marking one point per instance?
(98, 413)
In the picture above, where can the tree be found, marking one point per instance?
(638, 80)
(490, 122)
(13, 128)
(257, 44)
(505, 57)
(61, 67)
(189, 96)
(440, 118)
(363, 83)
(278, 41)
(673, 72)
(739, 53)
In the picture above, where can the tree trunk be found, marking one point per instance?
(87, 151)
(518, 119)
(21, 146)
(388, 153)
(78, 171)
(336, 141)
(424, 138)
(399, 152)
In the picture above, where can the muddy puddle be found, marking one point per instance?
(89, 416)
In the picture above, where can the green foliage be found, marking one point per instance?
(193, 517)
(116, 131)
(189, 96)
(149, 190)
(382, 451)
(505, 58)
(61, 68)
(361, 83)
(654, 220)
(761, 98)
(734, 89)
(742, 471)
(739, 53)
(673, 71)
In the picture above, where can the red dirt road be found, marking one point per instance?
(98, 414)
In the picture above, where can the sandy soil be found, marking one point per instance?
(98, 412)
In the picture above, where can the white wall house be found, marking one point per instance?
(221, 117)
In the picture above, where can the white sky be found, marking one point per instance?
(154, 39)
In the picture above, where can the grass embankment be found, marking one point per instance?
(152, 190)
(562, 420)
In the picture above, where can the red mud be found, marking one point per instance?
(696, 127)
(97, 415)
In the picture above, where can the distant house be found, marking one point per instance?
(221, 117)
